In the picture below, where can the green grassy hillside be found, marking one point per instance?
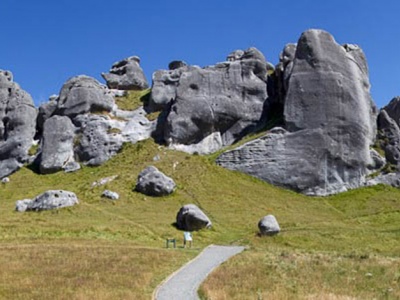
(104, 249)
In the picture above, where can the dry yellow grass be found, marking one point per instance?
(84, 270)
(267, 274)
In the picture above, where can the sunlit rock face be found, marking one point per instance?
(329, 122)
(17, 124)
(212, 107)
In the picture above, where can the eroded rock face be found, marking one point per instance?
(52, 199)
(126, 75)
(389, 137)
(329, 123)
(57, 144)
(191, 218)
(393, 109)
(99, 138)
(17, 124)
(228, 98)
(83, 94)
(152, 182)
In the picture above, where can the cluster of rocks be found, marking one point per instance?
(315, 103)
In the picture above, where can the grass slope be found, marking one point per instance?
(116, 250)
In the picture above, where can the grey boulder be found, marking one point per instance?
(191, 218)
(126, 75)
(57, 144)
(152, 182)
(83, 94)
(268, 225)
(17, 124)
(52, 199)
(329, 123)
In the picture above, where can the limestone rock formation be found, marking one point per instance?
(52, 199)
(57, 144)
(152, 182)
(83, 94)
(191, 218)
(126, 75)
(393, 109)
(17, 124)
(268, 225)
(100, 136)
(329, 123)
(227, 99)
(389, 137)
(46, 110)
(96, 142)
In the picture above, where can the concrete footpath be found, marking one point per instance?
(184, 283)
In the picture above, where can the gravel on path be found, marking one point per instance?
(184, 283)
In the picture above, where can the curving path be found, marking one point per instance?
(184, 283)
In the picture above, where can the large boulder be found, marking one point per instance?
(52, 199)
(228, 99)
(17, 124)
(152, 182)
(268, 225)
(57, 144)
(126, 75)
(329, 123)
(83, 94)
(191, 218)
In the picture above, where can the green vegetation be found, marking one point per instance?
(104, 249)
(132, 99)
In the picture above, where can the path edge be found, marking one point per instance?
(155, 292)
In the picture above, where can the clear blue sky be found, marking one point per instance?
(46, 42)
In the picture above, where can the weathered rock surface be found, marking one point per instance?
(46, 110)
(52, 199)
(377, 161)
(191, 218)
(268, 225)
(17, 124)
(110, 195)
(71, 166)
(57, 144)
(83, 94)
(227, 99)
(330, 123)
(126, 75)
(393, 109)
(100, 137)
(152, 182)
(389, 137)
